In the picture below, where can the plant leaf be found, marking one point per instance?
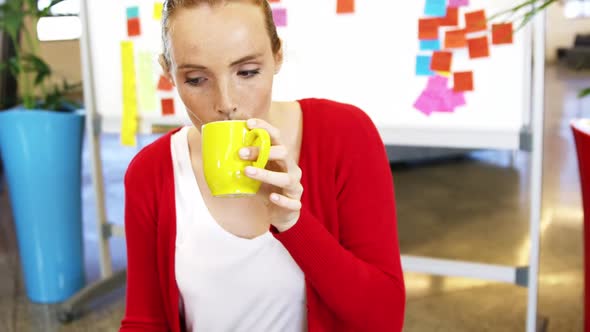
(14, 66)
(11, 23)
(584, 93)
(47, 10)
(38, 66)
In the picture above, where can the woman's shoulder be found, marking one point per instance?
(332, 115)
(151, 158)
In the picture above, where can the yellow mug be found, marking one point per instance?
(222, 165)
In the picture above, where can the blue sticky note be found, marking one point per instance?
(430, 45)
(133, 12)
(423, 65)
(436, 8)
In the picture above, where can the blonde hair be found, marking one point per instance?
(171, 6)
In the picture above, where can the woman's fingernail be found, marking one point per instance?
(251, 123)
(251, 170)
(274, 197)
(244, 152)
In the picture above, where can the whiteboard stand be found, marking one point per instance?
(70, 309)
(525, 276)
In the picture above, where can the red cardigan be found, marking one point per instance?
(345, 240)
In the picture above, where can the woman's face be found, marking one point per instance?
(221, 62)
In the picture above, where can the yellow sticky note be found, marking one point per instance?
(129, 120)
(158, 6)
(146, 82)
(444, 73)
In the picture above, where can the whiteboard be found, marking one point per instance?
(367, 59)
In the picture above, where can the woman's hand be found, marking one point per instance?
(282, 174)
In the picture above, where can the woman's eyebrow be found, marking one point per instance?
(246, 58)
(237, 62)
(191, 66)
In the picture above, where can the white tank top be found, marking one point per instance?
(228, 283)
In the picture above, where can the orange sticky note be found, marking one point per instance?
(463, 81)
(133, 27)
(441, 61)
(164, 84)
(502, 33)
(345, 6)
(452, 17)
(455, 39)
(167, 106)
(428, 28)
(475, 21)
(478, 47)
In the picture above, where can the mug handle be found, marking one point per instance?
(259, 137)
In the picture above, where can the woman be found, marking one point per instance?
(282, 260)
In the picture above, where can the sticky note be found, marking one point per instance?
(478, 47)
(475, 21)
(146, 83)
(129, 121)
(279, 15)
(428, 28)
(502, 33)
(451, 18)
(345, 6)
(426, 103)
(463, 81)
(158, 7)
(455, 39)
(437, 83)
(458, 3)
(458, 99)
(450, 100)
(430, 45)
(167, 106)
(133, 27)
(437, 97)
(164, 84)
(443, 73)
(435, 8)
(274, 0)
(446, 101)
(441, 61)
(132, 12)
(423, 65)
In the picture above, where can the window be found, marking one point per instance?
(576, 8)
(63, 25)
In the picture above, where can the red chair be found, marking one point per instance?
(581, 129)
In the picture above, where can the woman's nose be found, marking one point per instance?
(225, 102)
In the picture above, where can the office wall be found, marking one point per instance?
(561, 31)
(64, 58)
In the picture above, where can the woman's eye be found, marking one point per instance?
(196, 81)
(249, 73)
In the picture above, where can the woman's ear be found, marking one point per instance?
(279, 59)
(166, 68)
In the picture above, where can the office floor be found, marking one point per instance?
(472, 208)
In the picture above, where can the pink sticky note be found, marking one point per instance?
(423, 104)
(448, 101)
(279, 15)
(437, 83)
(427, 103)
(458, 99)
(458, 3)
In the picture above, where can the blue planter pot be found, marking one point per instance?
(41, 152)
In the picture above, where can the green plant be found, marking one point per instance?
(522, 13)
(18, 19)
